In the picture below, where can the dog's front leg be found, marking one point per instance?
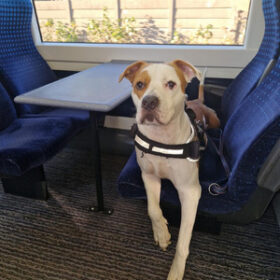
(189, 197)
(159, 223)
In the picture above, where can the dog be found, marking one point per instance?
(159, 96)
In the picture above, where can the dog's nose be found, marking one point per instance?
(150, 102)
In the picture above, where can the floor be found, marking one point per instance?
(59, 239)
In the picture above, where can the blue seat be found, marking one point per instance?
(26, 143)
(29, 135)
(249, 135)
(248, 78)
(21, 66)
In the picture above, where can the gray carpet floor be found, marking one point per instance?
(60, 240)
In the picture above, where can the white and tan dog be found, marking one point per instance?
(158, 94)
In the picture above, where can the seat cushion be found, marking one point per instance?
(7, 109)
(130, 184)
(29, 142)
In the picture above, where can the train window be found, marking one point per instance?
(223, 35)
(203, 22)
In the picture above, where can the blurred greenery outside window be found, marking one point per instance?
(184, 22)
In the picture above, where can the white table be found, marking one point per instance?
(96, 90)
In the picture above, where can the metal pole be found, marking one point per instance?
(95, 147)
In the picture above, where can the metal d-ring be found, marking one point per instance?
(210, 189)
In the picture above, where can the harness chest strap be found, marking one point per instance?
(189, 150)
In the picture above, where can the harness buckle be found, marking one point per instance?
(215, 189)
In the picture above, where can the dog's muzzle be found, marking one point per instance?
(148, 108)
(150, 103)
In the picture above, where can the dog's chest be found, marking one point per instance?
(178, 171)
(164, 168)
(152, 164)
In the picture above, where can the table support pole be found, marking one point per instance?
(96, 155)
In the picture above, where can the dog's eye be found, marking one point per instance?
(171, 84)
(139, 85)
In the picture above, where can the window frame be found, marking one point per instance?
(221, 61)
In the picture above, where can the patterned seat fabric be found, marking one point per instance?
(21, 66)
(243, 84)
(28, 142)
(23, 146)
(7, 109)
(38, 133)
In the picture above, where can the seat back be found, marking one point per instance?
(7, 109)
(245, 82)
(250, 134)
(21, 66)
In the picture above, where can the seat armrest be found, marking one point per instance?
(269, 174)
(215, 89)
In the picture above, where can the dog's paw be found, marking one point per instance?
(161, 234)
(177, 269)
(175, 273)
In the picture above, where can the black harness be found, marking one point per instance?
(189, 150)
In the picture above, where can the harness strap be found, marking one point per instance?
(189, 150)
(216, 188)
(220, 153)
(219, 187)
(200, 131)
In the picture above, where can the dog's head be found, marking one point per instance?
(158, 89)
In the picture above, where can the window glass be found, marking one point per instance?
(199, 22)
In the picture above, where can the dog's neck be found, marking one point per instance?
(177, 131)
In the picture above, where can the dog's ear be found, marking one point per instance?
(131, 70)
(188, 70)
